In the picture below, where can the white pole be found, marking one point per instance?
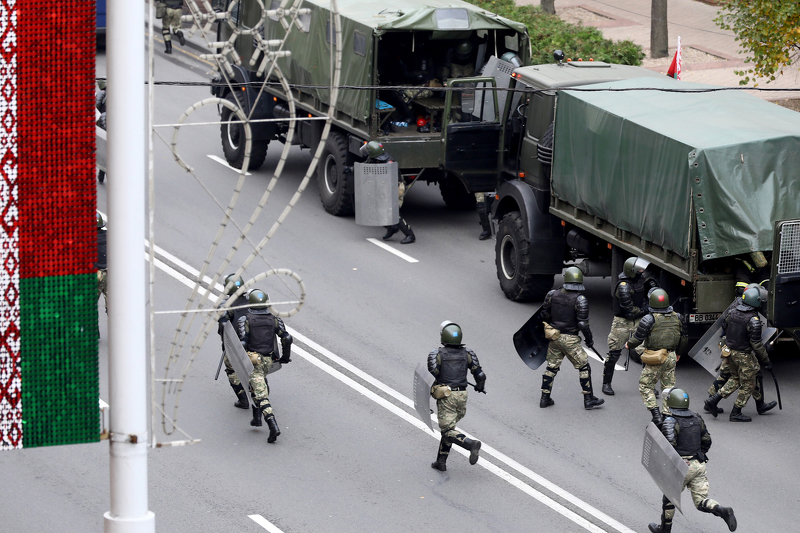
(127, 354)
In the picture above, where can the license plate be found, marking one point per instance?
(704, 317)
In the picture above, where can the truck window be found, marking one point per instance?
(330, 31)
(452, 19)
(360, 43)
(540, 114)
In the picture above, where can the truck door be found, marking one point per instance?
(471, 133)
(784, 290)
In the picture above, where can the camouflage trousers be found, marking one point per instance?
(743, 367)
(450, 411)
(652, 374)
(697, 483)
(621, 329)
(231, 373)
(102, 285)
(568, 346)
(172, 19)
(259, 388)
(726, 371)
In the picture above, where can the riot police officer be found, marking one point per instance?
(628, 303)
(239, 309)
(257, 330)
(566, 311)
(376, 154)
(663, 333)
(742, 329)
(687, 433)
(171, 20)
(449, 364)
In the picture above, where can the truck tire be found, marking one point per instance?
(232, 135)
(455, 195)
(335, 183)
(512, 255)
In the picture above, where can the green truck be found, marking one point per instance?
(598, 162)
(408, 43)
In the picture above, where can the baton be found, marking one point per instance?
(222, 358)
(484, 392)
(627, 359)
(598, 353)
(777, 390)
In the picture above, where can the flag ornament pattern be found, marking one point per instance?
(675, 67)
(49, 386)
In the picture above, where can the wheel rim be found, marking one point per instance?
(233, 131)
(331, 175)
(508, 257)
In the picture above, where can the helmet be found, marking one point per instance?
(677, 399)
(512, 58)
(237, 283)
(463, 49)
(374, 149)
(752, 297)
(659, 299)
(257, 297)
(101, 222)
(101, 84)
(634, 265)
(573, 279)
(451, 333)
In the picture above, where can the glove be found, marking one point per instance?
(766, 364)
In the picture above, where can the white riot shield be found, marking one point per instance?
(707, 351)
(376, 194)
(423, 381)
(236, 355)
(664, 465)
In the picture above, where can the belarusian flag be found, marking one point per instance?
(48, 284)
(675, 67)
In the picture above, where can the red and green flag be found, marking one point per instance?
(48, 283)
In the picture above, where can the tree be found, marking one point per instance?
(659, 33)
(549, 6)
(767, 29)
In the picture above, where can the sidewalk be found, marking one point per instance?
(710, 53)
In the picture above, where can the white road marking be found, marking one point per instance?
(485, 449)
(594, 356)
(388, 248)
(263, 522)
(225, 164)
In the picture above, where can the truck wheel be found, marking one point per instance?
(455, 195)
(336, 188)
(232, 135)
(512, 255)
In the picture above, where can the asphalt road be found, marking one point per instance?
(352, 455)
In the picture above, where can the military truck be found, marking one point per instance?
(411, 44)
(599, 162)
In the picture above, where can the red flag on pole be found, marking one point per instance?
(675, 67)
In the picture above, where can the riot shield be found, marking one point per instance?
(664, 465)
(376, 194)
(707, 352)
(236, 355)
(423, 381)
(530, 341)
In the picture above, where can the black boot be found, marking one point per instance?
(168, 47)
(407, 231)
(484, 218)
(666, 524)
(737, 416)
(726, 513)
(390, 231)
(608, 371)
(720, 410)
(242, 403)
(663, 528)
(589, 399)
(180, 36)
(274, 430)
(545, 401)
(710, 404)
(590, 402)
(474, 446)
(441, 457)
(256, 421)
(658, 420)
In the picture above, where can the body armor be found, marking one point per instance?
(666, 332)
(453, 366)
(261, 337)
(236, 314)
(562, 311)
(689, 443)
(736, 334)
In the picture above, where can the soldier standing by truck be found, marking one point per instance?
(376, 154)
(663, 333)
(742, 330)
(566, 312)
(628, 297)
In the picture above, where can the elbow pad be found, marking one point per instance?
(668, 429)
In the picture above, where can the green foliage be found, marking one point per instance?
(767, 29)
(549, 33)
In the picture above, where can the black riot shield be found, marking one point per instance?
(664, 465)
(530, 341)
(423, 381)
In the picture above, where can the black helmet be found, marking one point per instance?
(450, 333)
(573, 279)
(101, 223)
(659, 300)
(634, 265)
(232, 283)
(463, 50)
(257, 298)
(677, 399)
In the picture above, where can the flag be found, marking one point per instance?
(675, 67)
(49, 376)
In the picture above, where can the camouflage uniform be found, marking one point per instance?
(172, 18)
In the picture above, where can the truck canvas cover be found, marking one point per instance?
(649, 160)
(362, 21)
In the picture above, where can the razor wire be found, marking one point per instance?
(266, 55)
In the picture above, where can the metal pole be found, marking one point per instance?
(127, 353)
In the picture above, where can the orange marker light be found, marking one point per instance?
(683, 282)
(563, 223)
(609, 246)
(521, 174)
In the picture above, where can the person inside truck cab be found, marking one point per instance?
(751, 268)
